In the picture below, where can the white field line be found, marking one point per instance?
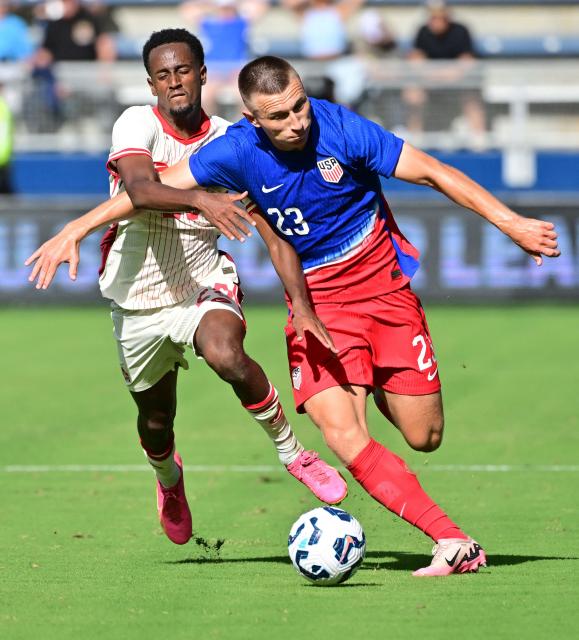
(131, 468)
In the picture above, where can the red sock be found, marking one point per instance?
(388, 480)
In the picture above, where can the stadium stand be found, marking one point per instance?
(525, 77)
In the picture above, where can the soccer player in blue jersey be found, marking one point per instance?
(313, 169)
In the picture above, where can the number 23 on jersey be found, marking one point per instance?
(290, 222)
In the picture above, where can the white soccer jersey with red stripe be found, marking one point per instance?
(155, 259)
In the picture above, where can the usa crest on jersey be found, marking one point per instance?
(330, 169)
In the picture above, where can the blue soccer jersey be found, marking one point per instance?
(325, 200)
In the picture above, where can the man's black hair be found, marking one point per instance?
(169, 36)
(268, 75)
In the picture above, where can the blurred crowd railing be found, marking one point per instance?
(533, 104)
(435, 105)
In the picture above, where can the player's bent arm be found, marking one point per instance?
(146, 191)
(536, 237)
(230, 220)
(288, 266)
(179, 176)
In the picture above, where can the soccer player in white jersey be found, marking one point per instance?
(171, 287)
(320, 165)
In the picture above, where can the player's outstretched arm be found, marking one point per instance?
(219, 208)
(65, 245)
(289, 269)
(537, 237)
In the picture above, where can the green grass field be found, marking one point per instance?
(82, 555)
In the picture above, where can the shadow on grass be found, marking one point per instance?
(342, 585)
(218, 560)
(405, 561)
(390, 560)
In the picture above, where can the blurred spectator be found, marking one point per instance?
(6, 129)
(442, 39)
(324, 38)
(42, 107)
(374, 36)
(323, 26)
(104, 16)
(74, 33)
(223, 28)
(15, 43)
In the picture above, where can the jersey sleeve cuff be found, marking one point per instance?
(112, 160)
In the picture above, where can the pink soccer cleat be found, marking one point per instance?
(173, 509)
(453, 555)
(319, 477)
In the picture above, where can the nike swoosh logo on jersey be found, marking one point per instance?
(270, 189)
(432, 375)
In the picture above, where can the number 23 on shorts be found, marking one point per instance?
(424, 362)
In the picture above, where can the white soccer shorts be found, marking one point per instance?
(151, 342)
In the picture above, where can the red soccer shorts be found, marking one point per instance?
(383, 343)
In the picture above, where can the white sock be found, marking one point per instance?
(166, 470)
(270, 416)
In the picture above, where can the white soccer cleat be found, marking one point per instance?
(454, 555)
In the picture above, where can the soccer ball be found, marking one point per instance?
(326, 545)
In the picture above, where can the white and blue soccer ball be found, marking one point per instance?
(327, 545)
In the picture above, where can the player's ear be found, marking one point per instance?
(152, 87)
(250, 118)
(203, 74)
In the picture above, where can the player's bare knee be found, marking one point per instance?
(427, 439)
(430, 443)
(229, 361)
